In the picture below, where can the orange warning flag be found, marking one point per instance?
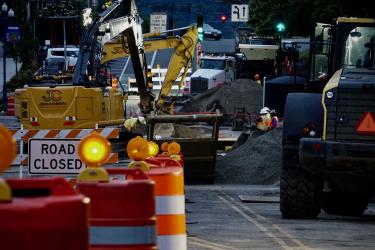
(366, 125)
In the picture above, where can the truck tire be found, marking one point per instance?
(298, 188)
(346, 205)
(298, 194)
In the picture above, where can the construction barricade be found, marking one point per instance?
(43, 214)
(169, 189)
(122, 212)
(170, 206)
(58, 136)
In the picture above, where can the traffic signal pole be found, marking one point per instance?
(200, 27)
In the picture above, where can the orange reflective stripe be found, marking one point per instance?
(52, 133)
(113, 158)
(171, 224)
(113, 134)
(73, 133)
(29, 134)
(25, 161)
(172, 184)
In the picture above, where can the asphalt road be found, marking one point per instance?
(218, 220)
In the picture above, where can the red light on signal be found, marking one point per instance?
(223, 18)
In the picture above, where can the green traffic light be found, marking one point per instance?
(280, 27)
(200, 36)
(200, 27)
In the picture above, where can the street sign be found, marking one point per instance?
(54, 156)
(13, 34)
(240, 12)
(158, 22)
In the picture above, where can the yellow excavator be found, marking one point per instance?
(181, 59)
(92, 101)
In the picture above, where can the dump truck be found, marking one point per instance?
(258, 54)
(214, 70)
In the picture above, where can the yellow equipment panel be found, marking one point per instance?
(68, 107)
(84, 108)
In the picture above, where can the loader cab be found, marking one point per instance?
(343, 43)
(348, 42)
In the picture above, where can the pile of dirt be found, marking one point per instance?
(257, 161)
(229, 98)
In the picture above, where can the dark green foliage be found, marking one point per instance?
(299, 15)
(24, 76)
(63, 8)
(24, 52)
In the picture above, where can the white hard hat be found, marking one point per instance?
(149, 67)
(142, 120)
(264, 110)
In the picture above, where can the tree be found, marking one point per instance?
(262, 16)
(299, 15)
(14, 52)
(63, 8)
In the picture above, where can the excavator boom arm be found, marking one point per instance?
(181, 59)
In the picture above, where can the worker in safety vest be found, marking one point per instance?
(267, 119)
(263, 123)
(107, 4)
(149, 78)
(257, 79)
(131, 123)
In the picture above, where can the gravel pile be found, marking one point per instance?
(228, 98)
(257, 161)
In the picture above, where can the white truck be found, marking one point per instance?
(214, 70)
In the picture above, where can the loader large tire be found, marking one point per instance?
(298, 194)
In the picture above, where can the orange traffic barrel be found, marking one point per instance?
(170, 206)
(122, 212)
(43, 214)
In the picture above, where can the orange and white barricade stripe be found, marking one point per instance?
(24, 135)
(170, 207)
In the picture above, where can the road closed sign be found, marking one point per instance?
(158, 22)
(54, 156)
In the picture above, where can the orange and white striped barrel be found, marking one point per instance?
(122, 213)
(170, 207)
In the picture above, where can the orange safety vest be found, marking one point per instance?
(264, 122)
